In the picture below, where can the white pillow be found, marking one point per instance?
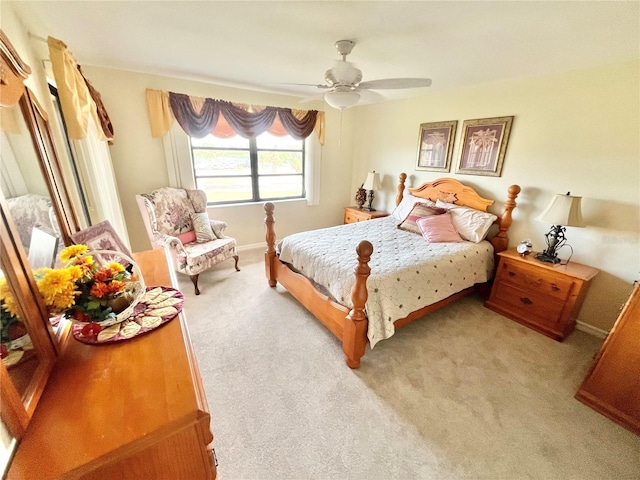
(202, 226)
(406, 205)
(470, 223)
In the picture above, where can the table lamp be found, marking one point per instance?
(372, 183)
(563, 211)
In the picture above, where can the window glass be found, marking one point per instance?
(236, 169)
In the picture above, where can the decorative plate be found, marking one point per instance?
(158, 306)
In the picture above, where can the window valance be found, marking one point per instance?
(200, 117)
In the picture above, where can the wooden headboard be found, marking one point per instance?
(452, 191)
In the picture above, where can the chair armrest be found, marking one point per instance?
(218, 227)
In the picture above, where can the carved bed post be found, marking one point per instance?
(270, 254)
(403, 177)
(501, 240)
(354, 337)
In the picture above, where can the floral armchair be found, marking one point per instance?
(176, 220)
(32, 210)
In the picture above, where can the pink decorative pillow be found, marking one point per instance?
(418, 211)
(438, 229)
(187, 237)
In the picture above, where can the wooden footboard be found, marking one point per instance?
(350, 326)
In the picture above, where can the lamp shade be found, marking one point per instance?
(563, 210)
(372, 182)
(342, 97)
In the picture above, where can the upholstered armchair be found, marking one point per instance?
(32, 210)
(176, 220)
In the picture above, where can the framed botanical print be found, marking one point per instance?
(484, 143)
(435, 146)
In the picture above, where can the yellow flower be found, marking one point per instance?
(58, 286)
(115, 266)
(72, 251)
(6, 298)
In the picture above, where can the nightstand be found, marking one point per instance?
(542, 296)
(355, 214)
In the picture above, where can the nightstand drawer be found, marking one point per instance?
(350, 217)
(529, 304)
(536, 281)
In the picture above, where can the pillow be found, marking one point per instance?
(438, 229)
(201, 225)
(187, 237)
(470, 223)
(406, 204)
(418, 211)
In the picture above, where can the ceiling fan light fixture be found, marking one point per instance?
(341, 99)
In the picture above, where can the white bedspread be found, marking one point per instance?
(407, 272)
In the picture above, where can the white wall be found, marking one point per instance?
(577, 132)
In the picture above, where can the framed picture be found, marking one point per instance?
(484, 142)
(102, 236)
(435, 146)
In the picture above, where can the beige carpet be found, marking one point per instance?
(463, 394)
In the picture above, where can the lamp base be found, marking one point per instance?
(368, 209)
(544, 257)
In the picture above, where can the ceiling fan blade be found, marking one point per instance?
(300, 85)
(389, 83)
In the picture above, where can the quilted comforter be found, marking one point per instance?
(407, 272)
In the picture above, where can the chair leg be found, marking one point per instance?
(194, 280)
(236, 257)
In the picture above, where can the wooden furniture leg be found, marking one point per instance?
(354, 339)
(270, 254)
(194, 280)
(236, 258)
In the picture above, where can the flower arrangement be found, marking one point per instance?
(83, 290)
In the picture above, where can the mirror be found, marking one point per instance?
(22, 182)
(28, 346)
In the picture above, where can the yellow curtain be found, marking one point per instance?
(161, 117)
(75, 99)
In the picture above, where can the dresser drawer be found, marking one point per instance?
(529, 305)
(536, 281)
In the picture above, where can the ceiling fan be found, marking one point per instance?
(344, 85)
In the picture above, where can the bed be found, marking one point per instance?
(364, 298)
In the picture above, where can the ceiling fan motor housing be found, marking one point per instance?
(343, 73)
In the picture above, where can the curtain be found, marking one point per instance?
(76, 101)
(200, 117)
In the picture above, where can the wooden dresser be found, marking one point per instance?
(355, 214)
(131, 409)
(612, 386)
(542, 296)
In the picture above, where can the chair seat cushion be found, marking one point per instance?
(201, 256)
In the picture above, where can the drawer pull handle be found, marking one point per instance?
(555, 288)
(525, 300)
(512, 274)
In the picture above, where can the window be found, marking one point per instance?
(240, 170)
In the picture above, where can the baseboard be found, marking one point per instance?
(252, 246)
(591, 330)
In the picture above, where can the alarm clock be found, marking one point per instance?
(524, 248)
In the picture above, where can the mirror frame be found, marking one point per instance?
(16, 408)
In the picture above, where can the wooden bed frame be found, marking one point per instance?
(350, 326)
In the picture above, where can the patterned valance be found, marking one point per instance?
(200, 117)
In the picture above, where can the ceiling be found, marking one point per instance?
(260, 44)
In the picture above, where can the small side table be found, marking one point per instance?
(542, 296)
(355, 214)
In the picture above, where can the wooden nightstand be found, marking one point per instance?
(542, 296)
(355, 214)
